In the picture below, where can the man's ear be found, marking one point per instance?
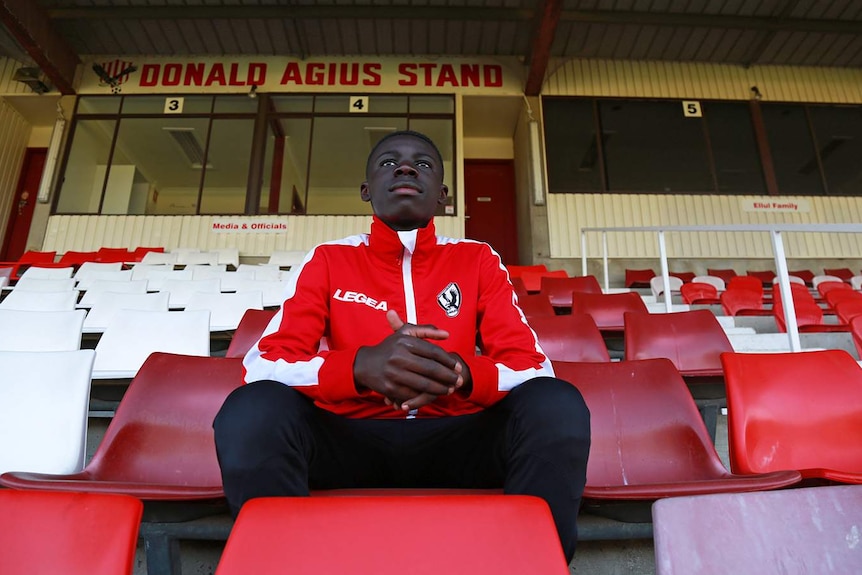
(444, 192)
(364, 193)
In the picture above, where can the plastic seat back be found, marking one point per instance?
(559, 289)
(5, 276)
(715, 281)
(109, 305)
(573, 337)
(159, 445)
(817, 280)
(533, 280)
(287, 258)
(798, 411)
(134, 334)
(181, 290)
(518, 271)
(86, 281)
(534, 305)
(226, 309)
(113, 255)
(249, 330)
(44, 397)
(299, 531)
(160, 258)
(638, 278)
(698, 293)
(806, 276)
(68, 533)
(198, 258)
(692, 340)
(856, 282)
(824, 288)
(842, 273)
(607, 310)
(741, 302)
(686, 277)
(139, 252)
(40, 300)
(272, 290)
(848, 309)
(73, 258)
(765, 276)
(41, 330)
(773, 533)
(856, 333)
(725, 274)
(519, 287)
(227, 256)
(648, 438)
(834, 297)
(90, 267)
(808, 313)
(98, 287)
(656, 285)
(747, 283)
(45, 284)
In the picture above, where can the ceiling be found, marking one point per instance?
(56, 35)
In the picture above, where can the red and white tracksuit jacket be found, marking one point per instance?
(341, 293)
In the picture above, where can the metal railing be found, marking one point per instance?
(775, 232)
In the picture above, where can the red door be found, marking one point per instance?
(490, 205)
(21, 212)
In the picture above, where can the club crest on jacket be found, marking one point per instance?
(450, 299)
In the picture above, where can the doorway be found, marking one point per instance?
(489, 201)
(23, 204)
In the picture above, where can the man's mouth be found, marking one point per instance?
(405, 189)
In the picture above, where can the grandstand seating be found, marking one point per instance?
(656, 285)
(77, 259)
(226, 309)
(248, 331)
(856, 333)
(799, 411)
(90, 267)
(45, 273)
(24, 330)
(686, 277)
(746, 282)
(288, 259)
(86, 281)
(43, 411)
(109, 304)
(68, 533)
(112, 255)
(743, 302)
(139, 252)
(638, 278)
(809, 316)
(559, 289)
(135, 334)
(159, 258)
(99, 287)
(765, 276)
(572, 337)
(800, 531)
(29, 258)
(715, 281)
(44, 284)
(264, 272)
(825, 287)
(189, 258)
(607, 309)
(699, 293)
(648, 439)
(156, 278)
(271, 533)
(517, 271)
(181, 290)
(806, 276)
(834, 297)
(817, 280)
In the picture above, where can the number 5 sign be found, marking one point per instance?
(691, 109)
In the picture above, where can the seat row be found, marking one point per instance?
(649, 441)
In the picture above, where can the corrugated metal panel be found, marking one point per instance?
(14, 134)
(614, 78)
(87, 233)
(568, 213)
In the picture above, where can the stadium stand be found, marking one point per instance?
(41, 330)
(68, 533)
(226, 309)
(95, 290)
(40, 300)
(698, 293)
(572, 337)
(607, 310)
(109, 304)
(559, 289)
(639, 278)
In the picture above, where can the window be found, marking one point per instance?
(838, 130)
(794, 157)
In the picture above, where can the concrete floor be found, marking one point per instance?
(593, 557)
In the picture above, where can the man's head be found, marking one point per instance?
(404, 180)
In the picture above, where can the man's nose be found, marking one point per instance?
(405, 169)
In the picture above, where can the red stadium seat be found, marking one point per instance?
(139, 252)
(648, 439)
(28, 258)
(67, 533)
(534, 305)
(686, 277)
(249, 330)
(799, 411)
(805, 275)
(503, 535)
(607, 309)
(698, 293)
(519, 287)
(159, 446)
(533, 279)
(834, 297)
(765, 277)
(824, 288)
(72, 258)
(113, 255)
(848, 309)
(559, 289)
(809, 316)
(768, 533)
(572, 337)
(856, 333)
(743, 302)
(843, 273)
(725, 274)
(746, 282)
(638, 278)
(518, 271)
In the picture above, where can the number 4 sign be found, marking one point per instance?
(691, 109)
(359, 104)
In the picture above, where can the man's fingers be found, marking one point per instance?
(420, 331)
(394, 321)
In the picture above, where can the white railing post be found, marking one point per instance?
(662, 252)
(605, 260)
(583, 252)
(786, 291)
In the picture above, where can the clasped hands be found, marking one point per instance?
(408, 370)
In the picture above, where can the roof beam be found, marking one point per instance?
(31, 28)
(545, 27)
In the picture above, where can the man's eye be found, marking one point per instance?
(387, 163)
(423, 164)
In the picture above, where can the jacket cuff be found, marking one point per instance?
(335, 378)
(484, 374)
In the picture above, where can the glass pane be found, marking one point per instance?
(235, 105)
(285, 174)
(442, 133)
(652, 147)
(339, 104)
(156, 168)
(734, 150)
(340, 147)
(432, 105)
(792, 150)
(294, 104)
(228, 158)
(571, 147)
(387, 104)
(156, 104)
(86, 166)
(839, 137)
(99, 105)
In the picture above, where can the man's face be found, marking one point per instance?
(405, 183)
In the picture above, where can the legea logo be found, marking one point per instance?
(358, 297)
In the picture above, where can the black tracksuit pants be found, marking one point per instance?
(273, 441)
